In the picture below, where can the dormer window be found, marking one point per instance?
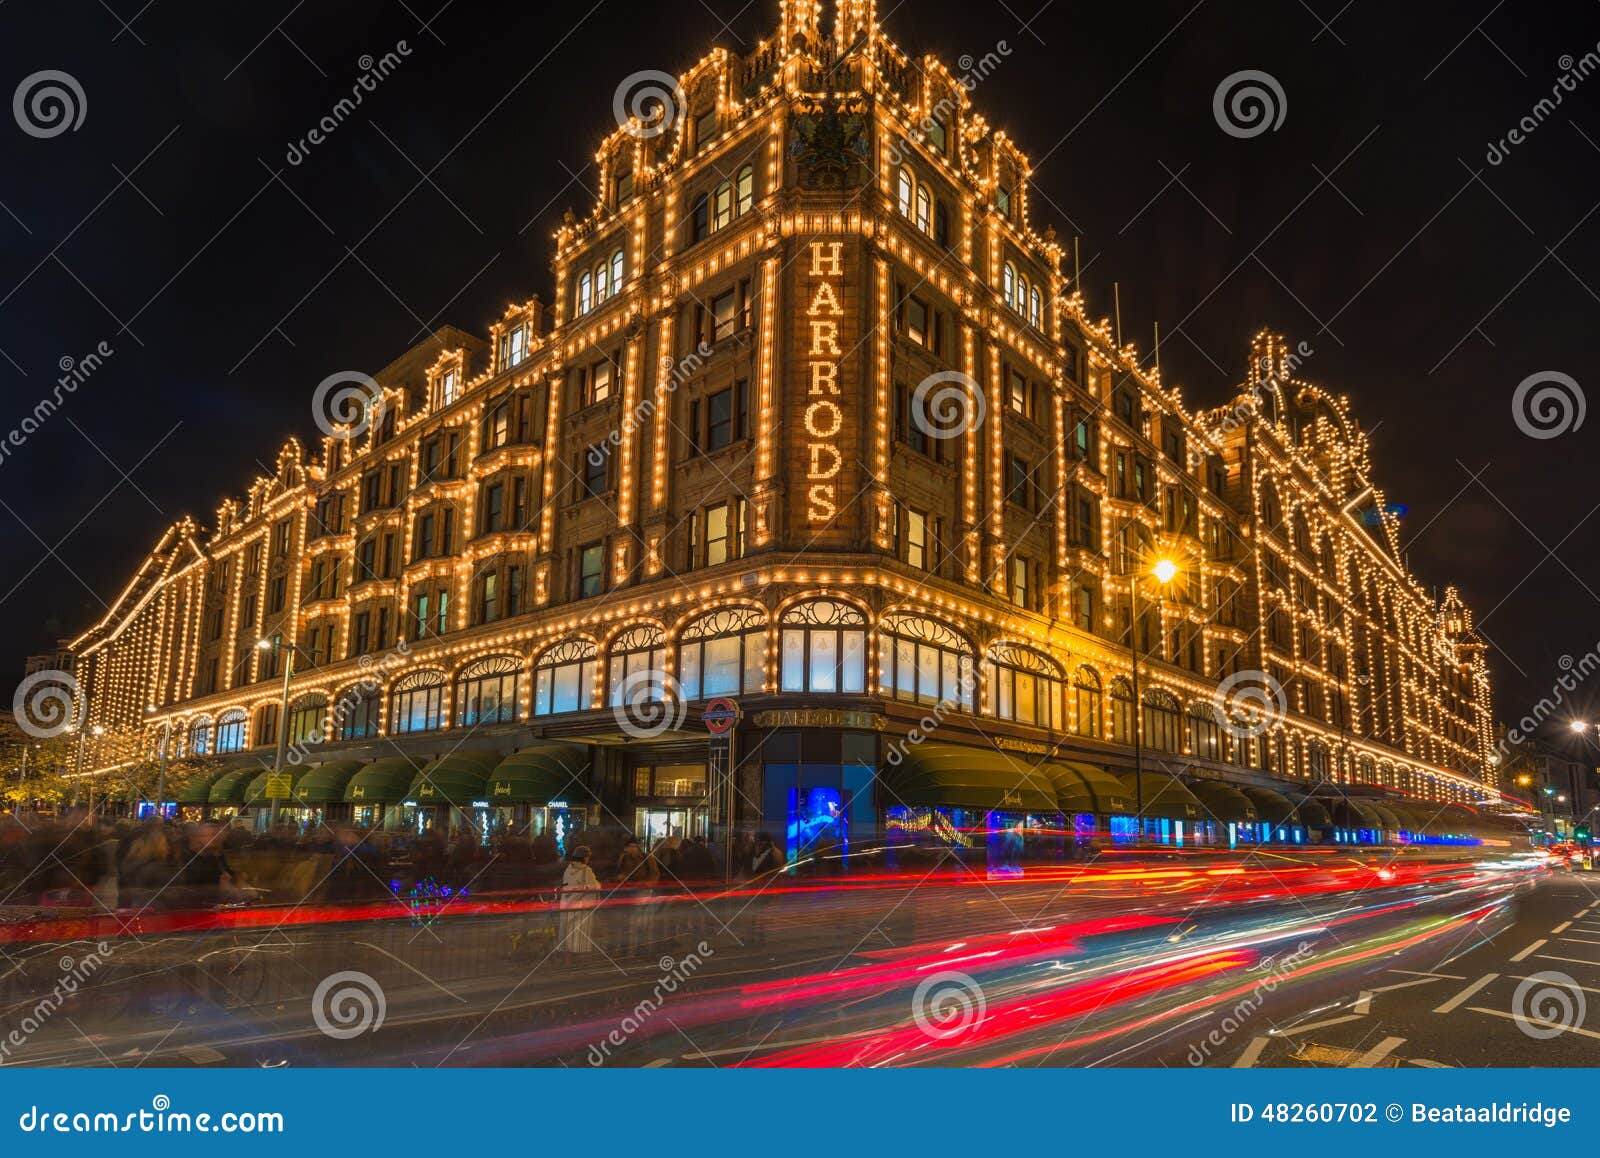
(936, 135)
(447, 388)
(705, 129)
(1002, 201)
(513, 346)
(624, 188)
(598, 285)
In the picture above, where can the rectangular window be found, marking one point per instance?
(361, 625)
(916, 536)
(513, 346)
(717, 535)
(601, 382)
(594, 473)
(725, 316)
(1017, 396)
(917, 327)
(705, 129)
(493, 509)
(488, 606)
(1019, 582)
(591, 570)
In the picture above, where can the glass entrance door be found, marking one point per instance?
(656, 824)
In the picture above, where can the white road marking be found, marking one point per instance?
(1539, 944)
(1377, 1053)
(1420, 973)
(1573, 960)
(1580, 940)
(1409, 984)
(1563, 927)
(1564, 985)
(1251, 1053)
(1316, 1025)
(1430, 1065)
(1534, 1021)
(1363, 1002)
(1451, 1005)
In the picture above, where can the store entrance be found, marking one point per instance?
(656, 824)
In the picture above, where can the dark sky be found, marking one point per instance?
(228, 282)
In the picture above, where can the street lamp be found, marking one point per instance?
(1163, 572)
(1578, 726)
(161, 777)
(289, 650)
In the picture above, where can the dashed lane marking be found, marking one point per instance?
(1422, 973)
(1562, 928)
(1455, 1002)
(1252, 1053)
(1377, 1053)
(1539, 1021)
(1531, 949)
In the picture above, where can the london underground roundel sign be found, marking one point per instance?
(720, 715)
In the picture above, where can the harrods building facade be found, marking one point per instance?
(817, 421)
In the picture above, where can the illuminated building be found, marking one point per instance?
(818, 421)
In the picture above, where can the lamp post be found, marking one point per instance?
(288, 649)
(161, 776)
(1164, 572)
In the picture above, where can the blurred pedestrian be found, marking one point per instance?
(579, 887)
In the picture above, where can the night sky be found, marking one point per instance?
(1370, 224)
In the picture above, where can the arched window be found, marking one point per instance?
(230, 731)
(563, 679)
(1121, 711)
(306, 717)
(355, 714)
(924, 661)
(585, 292)
(602, 282)
(200, 737)
(1205, 733)
(1162, 730)
(824, 648)
(1008, 285)
(924, 209)
(723, 654)
(639, 652)
(417, 704)
(616, 272)
(1090, 701)
(907, 191)
(722, 206)
(941, 225)
(747, 190)
(1035, 306)
(1020, 302)
(1024, 686)
(487, 692)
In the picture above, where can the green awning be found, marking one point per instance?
(255, 796)
(230, 787)
(457, 779)
(1226, 802)
(1086, 788)
(382, 782)
(198, 790)
(949, 776)
(1391, 821)
(1273, 807)
(539, 775)
(1311, 814)
(325, 783)
(1166, 796)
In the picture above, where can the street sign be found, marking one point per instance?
(280, 786)
(720, 716)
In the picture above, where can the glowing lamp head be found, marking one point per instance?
(1165, 571)
(265, 644)
(1578, 726)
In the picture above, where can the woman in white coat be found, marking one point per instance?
(578, 888)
